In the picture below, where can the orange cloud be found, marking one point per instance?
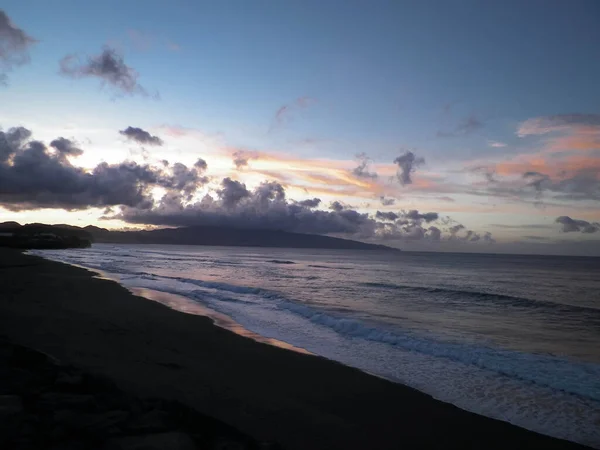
(553, 167)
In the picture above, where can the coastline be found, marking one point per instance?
(298, 400)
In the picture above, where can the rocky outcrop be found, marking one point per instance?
(48, 405)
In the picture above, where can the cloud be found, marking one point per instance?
(569, 225)
(141, 136)
(201, 164)
(285, 112)
(34, 176)
(267, 207)
(66, 147)
(336, 206)
(565, 177)
(435, 233)
(522, 226)
(560, 122)
(14, 46)
(387, 201)
(362, 170)
(310, 203)
(242, 157)
(465, 127)
(407, 164)
(496, 144)
(391, 216)
(413, 214)
(109, 67)
(536, 238)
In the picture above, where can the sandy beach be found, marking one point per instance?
(297, 400)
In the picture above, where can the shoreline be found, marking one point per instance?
(298, 400)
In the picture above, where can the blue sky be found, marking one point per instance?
(452, 81)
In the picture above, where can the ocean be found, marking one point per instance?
(511, 337)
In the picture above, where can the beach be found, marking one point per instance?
(298, 400)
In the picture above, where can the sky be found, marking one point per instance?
(425, 125)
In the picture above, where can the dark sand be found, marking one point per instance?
(300, 401)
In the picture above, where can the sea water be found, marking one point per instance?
(515, 338)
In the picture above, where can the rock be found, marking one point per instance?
(10, 405)
(161, 441)
(60, 400)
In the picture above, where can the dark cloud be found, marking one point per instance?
(467, 126)
(232, 192)
(201, 165)
(469, 236)
(14, 46)
(455, 229)
(11, 141)
(109, 67)
(407, 164)
(241, 158)
(581, 185)
(386, 215)
(184, 179)
(310, 203)
(435, 233)
(141, 136)
(267, 207)
(336, 206)
(413, 214)
(34, 176)
(569, 225)
(489, 173)
(387, 201)
(362, 170)
(487, 238)
(537, 180)
(66, 147)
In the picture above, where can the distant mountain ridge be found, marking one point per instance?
(228, 236)
(198, 235)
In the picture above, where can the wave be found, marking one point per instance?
(507, 300)
(575, 378)
(318, 266)
(220, 286)
(280, 261)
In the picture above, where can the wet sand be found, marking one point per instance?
(298, 400)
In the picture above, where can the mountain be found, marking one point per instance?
(38, 235)
(227, 236)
